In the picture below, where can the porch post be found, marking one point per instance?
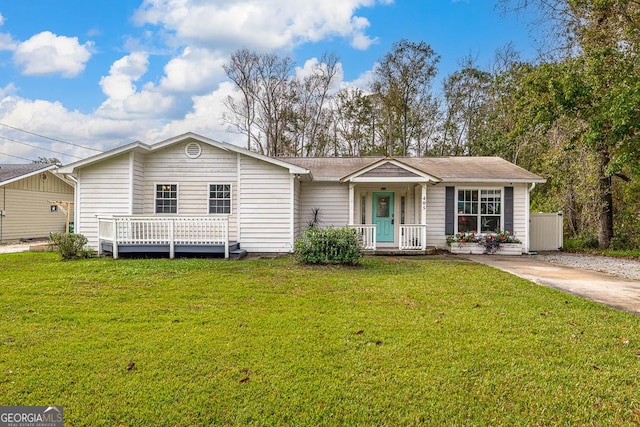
(114, 249)
(172, 242)
(351, 202)
(423, 216)
(226, 238)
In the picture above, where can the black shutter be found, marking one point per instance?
(508, 209)
(449, 209)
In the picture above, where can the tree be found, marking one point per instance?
(596, 86)
(281, 114)
(465, 103)
(313, 94)
(48, 161)
(352, 118)
(402, 82)
(261, 114)
(242, 70)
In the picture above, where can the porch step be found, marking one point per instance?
(238, 254)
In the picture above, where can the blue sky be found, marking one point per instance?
(105, 73)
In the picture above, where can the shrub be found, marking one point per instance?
(621, 243)
(70, 246)
(328, 246)
(581, 243)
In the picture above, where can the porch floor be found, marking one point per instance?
(234, 249)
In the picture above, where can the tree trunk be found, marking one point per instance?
(605, 226)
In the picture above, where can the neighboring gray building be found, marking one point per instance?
(26, 193)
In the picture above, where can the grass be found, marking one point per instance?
(269, 342)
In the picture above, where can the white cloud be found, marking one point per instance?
(7, 42)
(362, 82)
(118, 85)
(53, 119)
(359, 39)
(265, 25)
(123, 99)
(205, 117)
(196, 69)
(47, 53)
(8, 90)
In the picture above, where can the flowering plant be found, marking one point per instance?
(490, 241)
(466, 237)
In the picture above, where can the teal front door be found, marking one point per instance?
(383, 216)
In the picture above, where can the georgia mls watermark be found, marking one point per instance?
(31, 416)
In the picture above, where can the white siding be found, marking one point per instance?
(104, 190)
(265, 200)
(436, 216)
(138, 184)
(297, 225)
(193, 176)
(332, 198)
(520, 210)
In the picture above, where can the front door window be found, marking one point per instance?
(383, 207)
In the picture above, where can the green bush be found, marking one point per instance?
(329, 246)
(581, 243)
(621, 243)
(70, 246)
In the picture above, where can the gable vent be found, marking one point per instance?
(193, 150)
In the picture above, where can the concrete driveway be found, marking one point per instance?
(601, 287)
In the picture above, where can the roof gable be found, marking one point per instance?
(71, 168)
(388, 170)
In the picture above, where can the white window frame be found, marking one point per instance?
(479, 215)
(230, 197)
(155, 198)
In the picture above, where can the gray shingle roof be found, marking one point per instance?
(8, 172)
(331, 168)
(445, 168)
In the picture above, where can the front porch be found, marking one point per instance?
(173, 235)
(392, 215)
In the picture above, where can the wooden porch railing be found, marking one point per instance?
(158, 230)
(413, 237)
(368, 235)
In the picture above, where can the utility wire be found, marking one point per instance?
(49, 138)
(40, 148)
(17, 157)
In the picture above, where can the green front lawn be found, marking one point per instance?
(269, 342)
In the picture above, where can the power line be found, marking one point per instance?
(49, 138)
(40, 148)
(17, 157)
